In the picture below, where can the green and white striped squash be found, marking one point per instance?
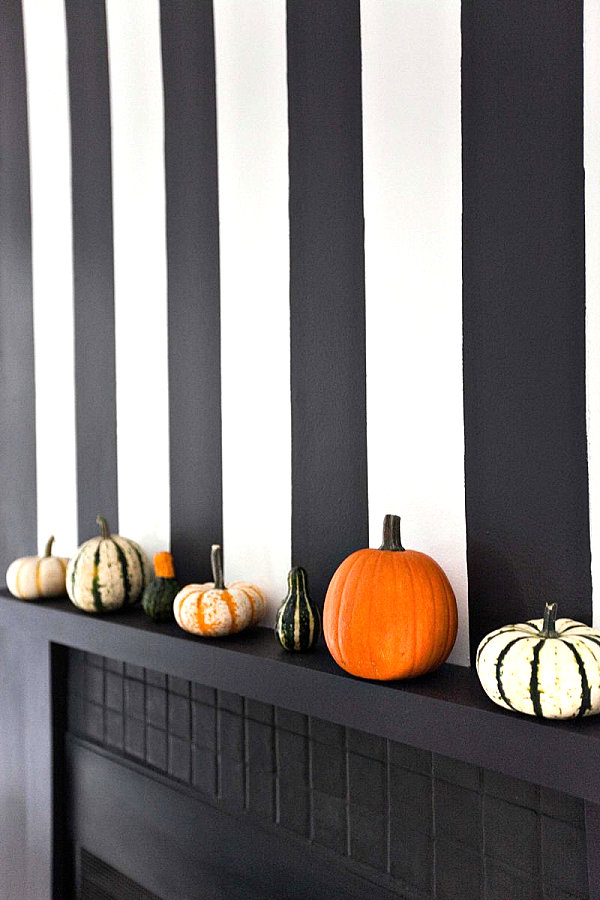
(298, 622)
(107, 572)
(543, 667)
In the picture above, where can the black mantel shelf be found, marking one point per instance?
(446, 712)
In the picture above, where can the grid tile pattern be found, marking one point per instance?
(421, 824)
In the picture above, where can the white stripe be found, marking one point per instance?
(413, 205)
(591, 155)
(250, 43)
(50, 166)
(136, 95)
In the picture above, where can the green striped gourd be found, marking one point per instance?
(545, 667)
(298, 623)
(158, 596)
(107, 572)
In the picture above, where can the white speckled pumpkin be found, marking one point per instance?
(107, 572)
(32, 577)
(214, 609)
(543, 667)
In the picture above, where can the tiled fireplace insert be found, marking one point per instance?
(412, 823)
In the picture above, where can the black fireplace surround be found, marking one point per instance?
(177, 768)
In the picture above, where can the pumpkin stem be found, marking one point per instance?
(391, 533)
(549, 627)
(48, 550)
(104, 529)
(216, 562)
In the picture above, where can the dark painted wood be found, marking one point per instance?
(38, 756)
(33, 678)
(26, 760)
(18, 508)
(196, 850)
(93, 272)
(13, 820)
(62, 873)
(446, 711)
(524, 311)
(327, 295)
(592, 828)
(193, 284)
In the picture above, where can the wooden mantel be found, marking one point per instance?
(446, 711)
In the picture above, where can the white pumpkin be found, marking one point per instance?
(32, 577)
(213, 609)
(543, 667)
(107, 572)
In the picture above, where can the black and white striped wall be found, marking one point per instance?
(270, 270)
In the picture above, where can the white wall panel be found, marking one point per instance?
(136, 94)
(50, 168)
(250, 42)
(413, 203)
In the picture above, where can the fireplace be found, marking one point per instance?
(355, 807)
(160, 765)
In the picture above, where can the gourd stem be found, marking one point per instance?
(391, 533)
(216, 562)
(104, 529)
(48, 550)
(549, 627)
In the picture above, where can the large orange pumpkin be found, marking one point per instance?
(389, 613)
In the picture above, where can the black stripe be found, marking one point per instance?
(327, 307)
(570, 628)
(95, 392)
(499, 664)
(73, 573)
(534, 688)
(287, 621)
(193, 284)
(96, 591)
(589, 637)
(491, 637)
(124, 571)
(17, 398)
(586, 695)
(524, 310)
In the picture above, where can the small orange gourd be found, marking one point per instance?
(389, 613)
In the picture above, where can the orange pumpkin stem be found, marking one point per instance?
(163, 565)
(391, 533)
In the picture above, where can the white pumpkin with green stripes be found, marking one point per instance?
(545, 667)
(107, 572)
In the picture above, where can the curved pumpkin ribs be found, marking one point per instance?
(107, 572)
(545, 667)
(215, 609)
(36, 577)
(389, 613)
